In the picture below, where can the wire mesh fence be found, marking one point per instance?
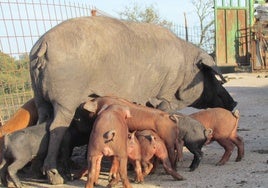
(193, 34)
(21, 24)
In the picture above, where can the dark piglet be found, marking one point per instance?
(21, 147)
(24, 117)
(193, 135)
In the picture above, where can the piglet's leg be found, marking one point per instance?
(92, 166)
(228, 147)
(161, 153)
(238, 141)
(12, 171)
(98, 168)
(172, 155)
(147, 167)
(113, 175)
(3, 175)
(198, 154)
(138, 170)
(123, 172)
(169, 170)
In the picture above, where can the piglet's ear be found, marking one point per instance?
(91, 106)
(128, 115)
(104, 107)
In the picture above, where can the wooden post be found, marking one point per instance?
(186, 27)
(93, 12)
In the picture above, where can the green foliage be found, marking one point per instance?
(14, 74)
(147, 14)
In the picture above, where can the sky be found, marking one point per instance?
(170, 10)
(21, 21)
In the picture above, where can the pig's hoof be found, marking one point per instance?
(219, 164)
(138, 181)
(112, 183)
(238, 159)
(10, 184)
(192, 168)
(179, 178)
(54, 177)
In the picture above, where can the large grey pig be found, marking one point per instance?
(141, 62)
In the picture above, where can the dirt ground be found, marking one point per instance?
(250, 90)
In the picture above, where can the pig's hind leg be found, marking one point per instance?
(147, 167)
(238, 141)
(169, 169)
(123, 172)
(13, 169)
(92, 170)
(3, 173)
(113, 174)
(228, 147)
(198, 154)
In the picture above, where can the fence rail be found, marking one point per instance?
(22, 23)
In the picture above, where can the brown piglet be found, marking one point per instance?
(25, 116)
(153, 146)
(224, 124)
(145, 118)
(108, 138)
(134, 158)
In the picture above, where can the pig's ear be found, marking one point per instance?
(175, 117)
(104, 107)
(128, 115)
(91, 106)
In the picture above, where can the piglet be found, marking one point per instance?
(145, 118)
(194, 136)
(19, 148)
(24, 117)
(134, 157)
(153, 146)
(224, 124)
(108, 138)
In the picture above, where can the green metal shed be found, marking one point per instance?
(233, 19)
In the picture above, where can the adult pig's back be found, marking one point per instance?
(99, 54)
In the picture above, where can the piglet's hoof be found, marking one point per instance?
(54, 177)
(219, 163)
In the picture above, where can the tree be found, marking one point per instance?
(205, 13)
(148, 14)
(14, 74)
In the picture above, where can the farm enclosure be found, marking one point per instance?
(22, 23)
